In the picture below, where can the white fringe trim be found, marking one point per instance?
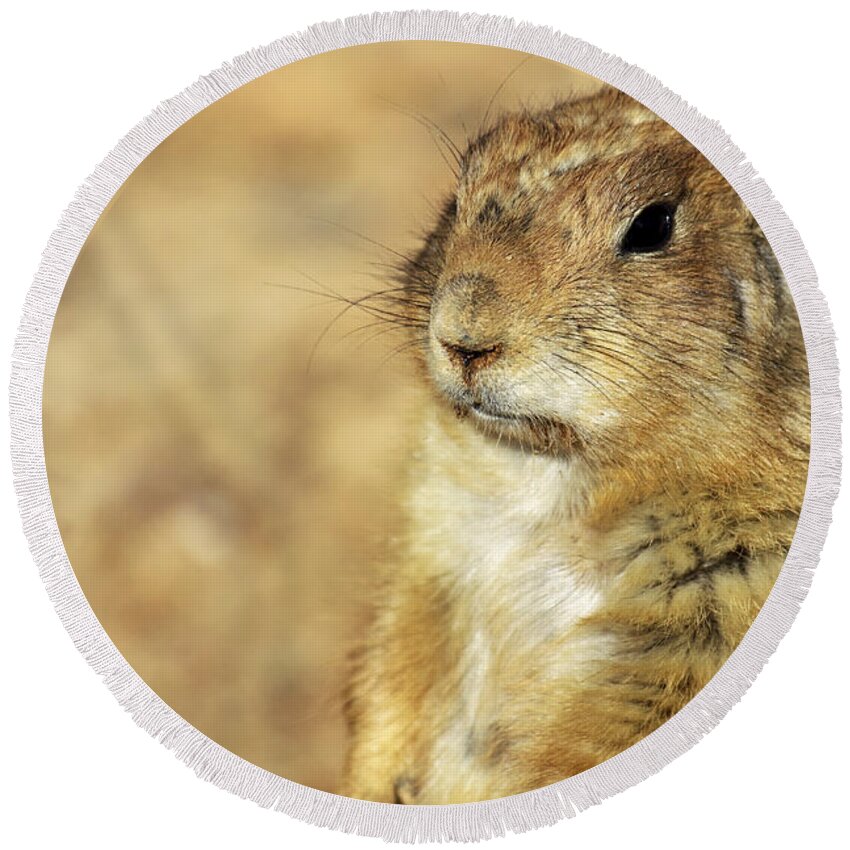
(473, 821)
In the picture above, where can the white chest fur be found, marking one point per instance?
(506, 529)
(507, 536)
(516, 553)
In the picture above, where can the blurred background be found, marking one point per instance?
(226, 488)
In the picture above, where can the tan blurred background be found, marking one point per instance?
(227, 510)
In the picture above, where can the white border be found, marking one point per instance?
(410, 823)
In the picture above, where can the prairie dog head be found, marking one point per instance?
(596, 285)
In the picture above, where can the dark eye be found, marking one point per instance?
(650, 231)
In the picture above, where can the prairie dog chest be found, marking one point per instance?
(519, 564)
(515, 559)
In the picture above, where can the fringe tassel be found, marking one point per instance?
(473, 821)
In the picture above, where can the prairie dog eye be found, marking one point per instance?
(650, 230)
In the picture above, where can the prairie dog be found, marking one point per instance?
(613, 458)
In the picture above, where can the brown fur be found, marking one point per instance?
(638, 479)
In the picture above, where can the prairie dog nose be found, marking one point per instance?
(467, 322)
(470, 356)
